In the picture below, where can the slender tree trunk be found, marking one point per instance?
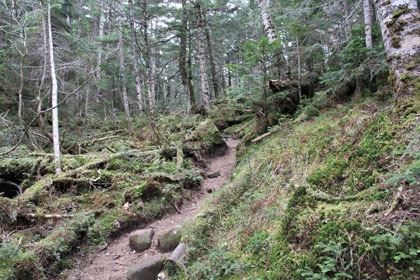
(41, 121)
(210, 46)
(123, 76)
(135, 58)
(299, 69)
(367, 12)
(222, 78)
(202, 56)
(87, 94)
(79, 31)
(54, 98)
(400, 26)
(150, 91)
(347, 20)
(185, 79)
(20, 91)
(152, 80)
(269, 29)
(100, 35)
(189, 66)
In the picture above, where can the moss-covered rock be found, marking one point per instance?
(208, 132)
(170, 239)
(140, 240)
(148, 270)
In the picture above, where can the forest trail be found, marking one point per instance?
(114, 262)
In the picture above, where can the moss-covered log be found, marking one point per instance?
(43, 259)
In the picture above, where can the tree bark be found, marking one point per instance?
(400, 26)
(202, 57)
(135, 58)
(185, 78)
(367, 12)
(152, 81)
(123, 76)
(100, 35)
(210, 46)
(41, 121)
(269, 29)
(54, 98)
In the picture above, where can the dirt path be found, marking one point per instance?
(113, 263)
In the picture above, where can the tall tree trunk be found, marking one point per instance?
(185, 78)
(299, 69)
(135, 58)
(20, 91)
(152, 79)
(210, 46)
(40, 120)
(202, 56)
(367, 11)
(147, 57)
(347, 16)
(86, 111)
(400, 26)
(269, 29)
(222, 78)
(123, 76)
(54, 98)
(100, 36)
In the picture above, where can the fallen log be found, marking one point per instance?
(265, 135)
(178, 253)
(173, 264)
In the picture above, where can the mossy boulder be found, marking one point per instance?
(170, 239)
(208, 132)
(141, 240)
(147, 270)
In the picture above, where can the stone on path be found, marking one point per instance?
(147, 270)
(170, 239)
(213, 174)
(140, 240)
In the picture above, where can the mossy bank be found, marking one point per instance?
(335, 197)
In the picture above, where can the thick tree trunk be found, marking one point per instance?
(123, 76)
(367, 11)
(135, 58)
(400, 26)
(269, 29)
(202, 56)
(185, 78)
(54, 97)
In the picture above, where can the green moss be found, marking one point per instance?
(411, 66)
(403, 9)
(396, 42)
(209, 133)
(390, 23)
(405, 77)
(299, 200)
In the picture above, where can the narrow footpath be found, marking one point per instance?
(114, 262)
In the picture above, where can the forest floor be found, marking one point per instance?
(113, 262)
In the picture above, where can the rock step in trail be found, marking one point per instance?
(141, 254)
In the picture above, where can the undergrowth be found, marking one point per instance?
(334, 196)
